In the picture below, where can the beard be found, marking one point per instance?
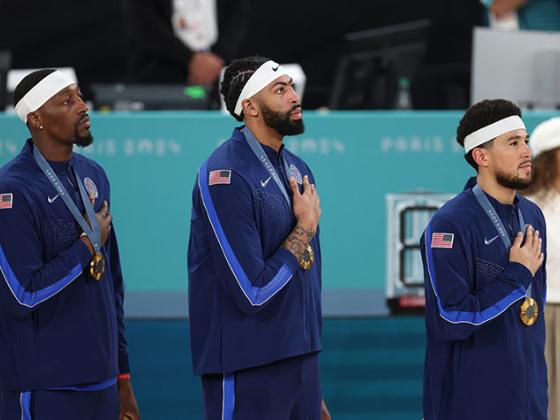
(82, 141)
(281, 122)
(512, 182)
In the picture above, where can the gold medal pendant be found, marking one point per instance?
(97, 266)
(529, 311)
(306, 260)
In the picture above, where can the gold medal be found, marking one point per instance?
(529, 311)
(97, 266)
(306, 260)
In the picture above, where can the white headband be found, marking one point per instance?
(492, 131)
(265, 74)
(41, 93)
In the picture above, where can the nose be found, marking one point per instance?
(527, 151)
(295, 97)
(82, 106)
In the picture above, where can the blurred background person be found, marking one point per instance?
(540, 15)
(545, 191)
(142, 42)
(183, 41)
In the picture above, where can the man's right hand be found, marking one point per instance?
(530, 254)
(306, 206)
(104, 219)
(307, 210)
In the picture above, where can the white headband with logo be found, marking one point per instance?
(41, 93)
(264, 75)
(492, 131)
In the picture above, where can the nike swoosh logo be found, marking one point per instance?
(489, 241)
(265, 183)
(52, 199)
(276, 68)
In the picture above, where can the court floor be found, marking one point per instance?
(371, 368)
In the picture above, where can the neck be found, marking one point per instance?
(265, 134)
(53, 151)
(491, 187)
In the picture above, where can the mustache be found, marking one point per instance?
(295, 107)
(86, 115)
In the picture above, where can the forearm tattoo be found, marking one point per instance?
(297, 240)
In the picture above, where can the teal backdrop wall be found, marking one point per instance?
(152, 158)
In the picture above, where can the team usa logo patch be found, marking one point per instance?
(6, 201)
(91, 188)
(442, 240)
(219, 177)
(296, 174)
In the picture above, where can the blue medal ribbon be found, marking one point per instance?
(93, 232)
(496, 221)
(263, 158)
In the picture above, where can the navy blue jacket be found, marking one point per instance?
(249, 301)
(58, 326)
(481, 362)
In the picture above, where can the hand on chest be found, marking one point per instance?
(274, 180)
(273, 198)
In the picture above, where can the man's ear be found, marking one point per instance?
(480, 156)
(34, 121)
(250, 108)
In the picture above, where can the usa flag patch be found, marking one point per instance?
(221, 176)
(6, 201)
(442, 240)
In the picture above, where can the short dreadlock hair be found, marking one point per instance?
(236, 77)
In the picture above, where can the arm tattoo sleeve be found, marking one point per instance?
(297, 241)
